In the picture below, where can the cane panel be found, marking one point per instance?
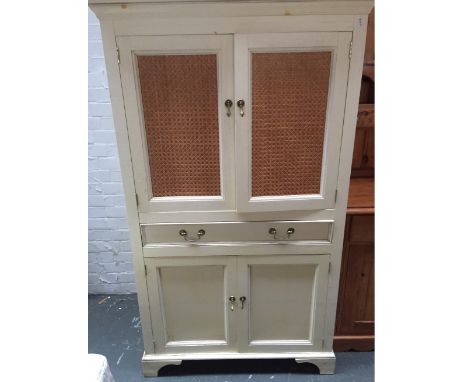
(179, 95)
(289, 103)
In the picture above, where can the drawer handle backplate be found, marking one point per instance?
(274, 232)
(184, 234)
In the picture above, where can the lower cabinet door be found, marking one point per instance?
(189, 303)
(284, 302)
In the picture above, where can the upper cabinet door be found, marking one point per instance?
(290, 102)
(180, 132)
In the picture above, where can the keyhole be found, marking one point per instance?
(228, 105)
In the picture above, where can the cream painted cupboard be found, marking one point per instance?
(235, 124)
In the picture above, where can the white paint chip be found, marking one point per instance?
(121, 355)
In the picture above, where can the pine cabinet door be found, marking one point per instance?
(189, 303)
(290, 100)
(282, 302)
(180, 132)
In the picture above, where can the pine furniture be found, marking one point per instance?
(235, 124)
(355, 311)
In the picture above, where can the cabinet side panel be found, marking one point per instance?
(118, 110)
(349, 129)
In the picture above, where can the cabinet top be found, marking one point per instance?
(322, 7)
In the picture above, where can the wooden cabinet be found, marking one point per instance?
(235, 124)
(355, 312)
(363, 155)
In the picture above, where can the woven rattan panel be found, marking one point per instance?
(180, 106)
(289, 103)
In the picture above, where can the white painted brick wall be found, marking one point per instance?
(109, 257)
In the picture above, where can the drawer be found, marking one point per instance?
(362, 228)
(237, 232)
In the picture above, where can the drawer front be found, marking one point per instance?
(362, 228)
(237, 232)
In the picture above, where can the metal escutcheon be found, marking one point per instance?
(242, 300)
(241, 105)
(184, 234)
(228, 104)
(232, 300)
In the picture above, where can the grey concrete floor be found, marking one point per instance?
(114, 330)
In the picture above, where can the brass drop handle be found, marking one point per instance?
(228, 104)
(232, 300)
(241, 105)
(242, 300)
(184, 234)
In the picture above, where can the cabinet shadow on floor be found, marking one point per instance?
(236, 366)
